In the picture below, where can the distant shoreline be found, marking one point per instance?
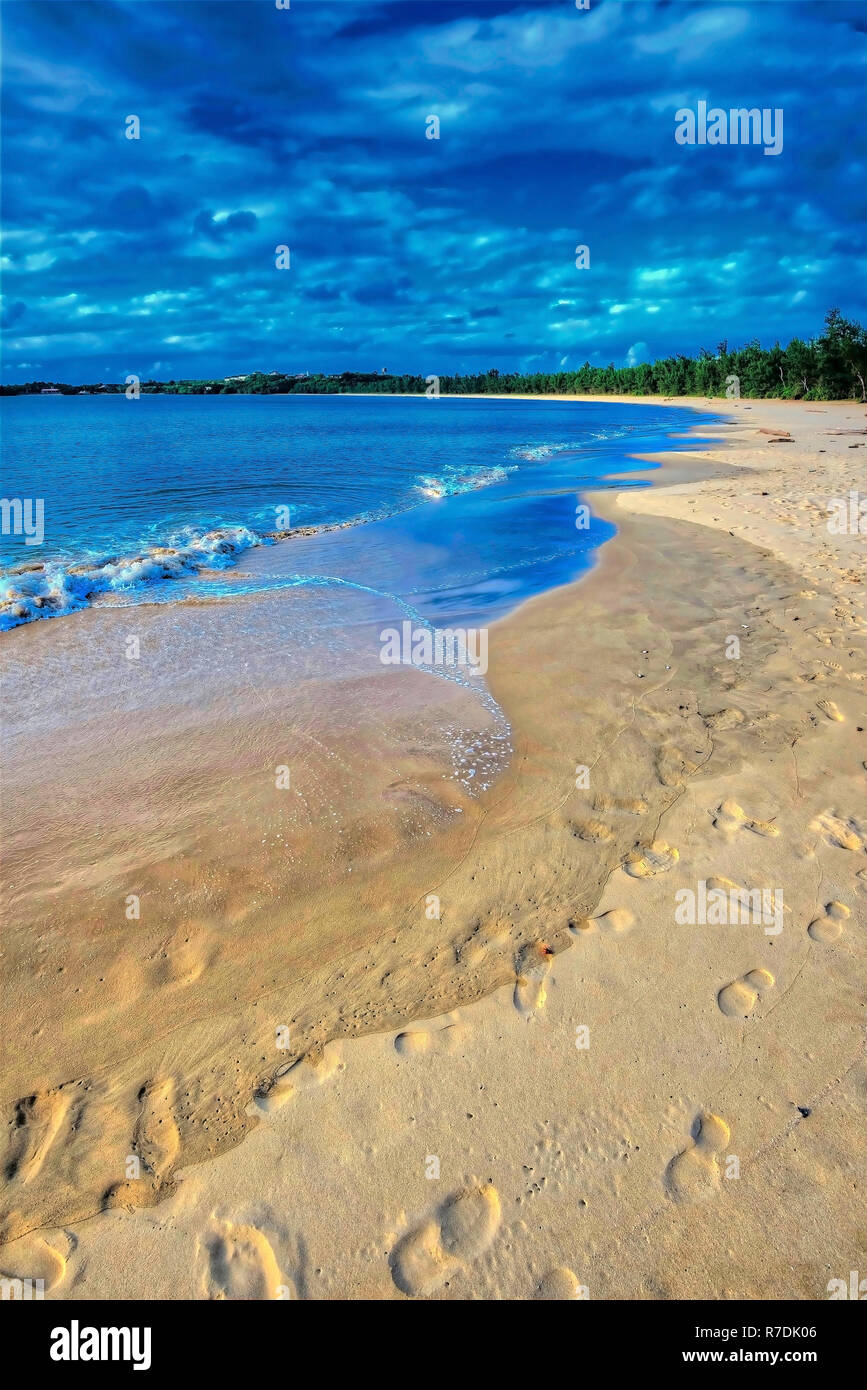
(598, 398)
(829, 366)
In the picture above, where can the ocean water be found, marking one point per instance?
(452, 509)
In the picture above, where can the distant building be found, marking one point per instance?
(50, 391)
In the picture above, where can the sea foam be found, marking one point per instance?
(34, 590)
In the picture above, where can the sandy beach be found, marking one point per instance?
(511, 1071)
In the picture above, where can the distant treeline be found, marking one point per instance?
(832, 366)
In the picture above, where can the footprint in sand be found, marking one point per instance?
(672, 766)
(693, 1176)
(182, 959)
(303, 1075)
(560, 1284)
(730, 817)
(618, 919)
(240, 1264)
(595, 831)
(830, 710)
(738, 999)
(442, 1247)
(647, 863)
(531, 969)
(417, 1040)
(156, 1140)
(37, 1121)
(36, 1257)
(829, 927)
(844, 832)
(156, 1143)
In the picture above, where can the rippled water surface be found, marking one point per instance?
(470, 505)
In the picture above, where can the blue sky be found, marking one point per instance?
(306, 127)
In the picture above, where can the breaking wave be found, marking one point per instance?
(51, 588)
(451, 482)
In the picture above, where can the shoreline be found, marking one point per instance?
(628, 736)
(58, 586)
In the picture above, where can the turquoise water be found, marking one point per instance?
(459, 508)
